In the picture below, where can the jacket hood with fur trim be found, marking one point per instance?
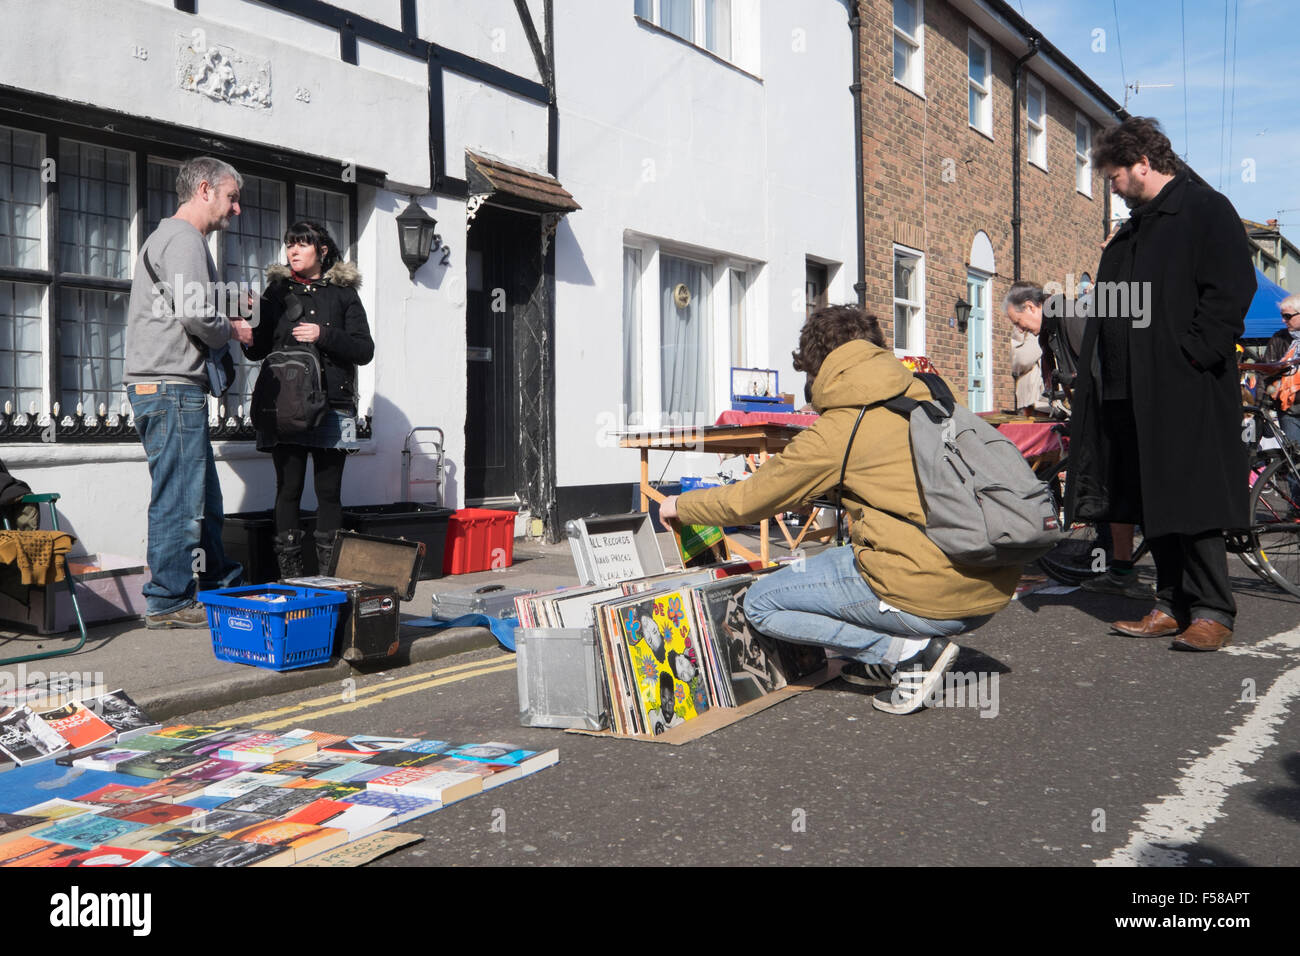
(342, 273)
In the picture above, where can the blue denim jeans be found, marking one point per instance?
(827, 602)
(185, 507)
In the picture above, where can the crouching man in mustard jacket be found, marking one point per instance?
(891, 600)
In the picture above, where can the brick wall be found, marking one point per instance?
(906, 140)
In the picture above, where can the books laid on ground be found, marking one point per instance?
(78, 725)
(120, 712)
(168, 798)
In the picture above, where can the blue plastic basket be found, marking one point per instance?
(278, 635)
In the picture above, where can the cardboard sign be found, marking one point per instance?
(615, 556)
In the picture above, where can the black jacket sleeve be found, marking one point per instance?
(352, 343)
(272, 308)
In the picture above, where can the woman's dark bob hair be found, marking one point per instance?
(315, 233)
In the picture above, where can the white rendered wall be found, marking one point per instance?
(659, 139)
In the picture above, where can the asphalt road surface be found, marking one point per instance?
(1074, 747)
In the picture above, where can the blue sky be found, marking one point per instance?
(1260, 110)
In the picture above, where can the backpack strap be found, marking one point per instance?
(940, 393)
(844, 467)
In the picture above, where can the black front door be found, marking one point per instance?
(504, 272)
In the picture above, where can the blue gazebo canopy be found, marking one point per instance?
(1263, 318)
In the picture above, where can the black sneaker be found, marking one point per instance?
(917, 677)
(1125, 585)
(191, 615)
(867, 675)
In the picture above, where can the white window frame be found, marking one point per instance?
(1082, 161)
(742, 38)
(1037, 157)
(985, 91)
(915, 326)
(914, 79)
(650, 402)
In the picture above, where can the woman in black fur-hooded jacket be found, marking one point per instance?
(312, 300)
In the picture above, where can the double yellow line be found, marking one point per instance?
(282, 717)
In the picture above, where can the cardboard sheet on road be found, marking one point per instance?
(718, 717)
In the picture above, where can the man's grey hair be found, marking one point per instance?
(203, 169)
(1023, 292)
(1290, 304)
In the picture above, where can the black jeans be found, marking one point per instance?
(1192, 577)
(290, 475)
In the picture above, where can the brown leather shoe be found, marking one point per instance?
(1155, 624)
(1203, 635)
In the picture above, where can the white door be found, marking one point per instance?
(979, 366)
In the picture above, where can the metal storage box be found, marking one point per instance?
(494, 600)
(377, 574)
(561, 678)
(608, 549)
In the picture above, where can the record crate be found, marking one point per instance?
(479, 540)
(279, 627)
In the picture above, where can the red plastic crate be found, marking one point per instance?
(479, 540)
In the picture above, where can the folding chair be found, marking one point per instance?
(50, 499)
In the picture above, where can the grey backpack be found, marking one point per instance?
(983, 505)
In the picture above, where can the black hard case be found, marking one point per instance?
(388, 569)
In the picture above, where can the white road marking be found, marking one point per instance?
(1180, 818)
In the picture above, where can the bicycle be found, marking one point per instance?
(1269, 546)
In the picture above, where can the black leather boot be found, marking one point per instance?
(288, 553)
(324, 551)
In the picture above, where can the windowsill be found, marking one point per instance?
(39, 454)
(1082, 193)
(1037, 165)
(976, 129)
(651, 25)
(911, 89)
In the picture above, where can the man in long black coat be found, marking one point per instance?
(1156, 431)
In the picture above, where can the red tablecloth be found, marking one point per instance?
(1032, 438)
(731, 417)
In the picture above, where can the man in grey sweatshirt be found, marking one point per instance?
(167, 384)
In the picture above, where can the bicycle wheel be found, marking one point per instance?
(1275, 524)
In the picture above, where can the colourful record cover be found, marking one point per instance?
(87, 831)
(658, 633)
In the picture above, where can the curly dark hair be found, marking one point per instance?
(1123, 145)
(827, 329)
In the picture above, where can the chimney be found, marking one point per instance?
(1272, 224)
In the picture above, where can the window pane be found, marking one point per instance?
(902, 53)
(677, 16)
(904, 278)
(905, 16)
(1080, 137)
(327, 208)
(976, 59)
(20, 345)
(739, 284)
(900, 326)
(95, 210)
(684, 339)
(973, 104)
(160, 195)
(92, 342)
(643, 9)
(632, 333)
(1035, 106)
(717, 27)
(20, 199)
(252, 243)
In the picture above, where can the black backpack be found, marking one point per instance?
(291, 387)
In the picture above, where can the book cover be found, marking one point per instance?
(109, 856)
(120, 712)
(367, 744)
(211, 746)
(426, 747)
(189, 732)
(304, 839)
(115, 793)
(317, 812)
(441, 785)
(255, 750)
(242, 783)
(350, 772)
(320, 739)
(272, 801)
(77, 725)
(493, 774)
(159, 764)
(529, 761)
(32, 851)
(60, 809)
(658, 633)
(26, 739)
(106, 759)
(15, 825)
(163, 837)
(214, 770)
(152, 743)
(294, 768)
(401, 758)
(224, 852)
(361, 821)
(403, 806)
(172, 790)
(221, 822)
(87, 830)
(149, 812)
(325, 789)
